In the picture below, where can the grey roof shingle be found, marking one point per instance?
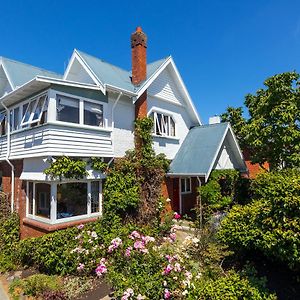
(20, 73)
(113, 75)
(198, 150)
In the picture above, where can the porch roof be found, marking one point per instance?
(199, 151)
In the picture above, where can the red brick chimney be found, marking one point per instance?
(139, 68)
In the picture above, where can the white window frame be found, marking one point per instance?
(35, 99)
(81, 110)
(187, 183)
(53, 202)
(162, 127)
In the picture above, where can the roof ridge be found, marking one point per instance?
(3, 58)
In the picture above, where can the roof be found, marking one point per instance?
(19, 73)
(109, 74)
(199, 151)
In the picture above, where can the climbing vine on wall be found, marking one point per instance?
(67, 167)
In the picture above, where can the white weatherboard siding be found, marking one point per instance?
(123, 118)
(226, 158)
(58, 140)
(170, 145)
(165, 87)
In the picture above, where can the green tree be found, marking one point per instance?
(272, 131)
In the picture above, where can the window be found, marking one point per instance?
(93, 114)
(95, 191)
(67, 109)
(42, 200)
(14, 121)
(33, 111)
(186, 185)
(3, 123)
(71, 199)
(164, 125)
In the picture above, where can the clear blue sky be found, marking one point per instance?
(223, 49)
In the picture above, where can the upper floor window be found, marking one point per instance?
(164, 125)
(67, 109)
(93, 114)
(79, 111)
(3, 123)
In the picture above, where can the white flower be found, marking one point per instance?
(184, 293)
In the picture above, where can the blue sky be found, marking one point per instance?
(223, 49)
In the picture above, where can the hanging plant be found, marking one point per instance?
(66, 167)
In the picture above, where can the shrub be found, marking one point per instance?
(230, 287)
(271, 223)
(9, 232)
(34, 285)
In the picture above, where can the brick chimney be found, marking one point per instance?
(139, 68)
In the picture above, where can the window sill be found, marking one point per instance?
(81, 126)
(174, 138)
(53, 227)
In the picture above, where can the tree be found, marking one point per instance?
(272, 131)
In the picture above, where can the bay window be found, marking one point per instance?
(93, 114)
(58, 202)
(164, 125)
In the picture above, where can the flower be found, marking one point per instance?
(80, 226)
(167, 269)
(147, 239)
(127, 294)
(177, 267)
(167, 294)
(115, 243)
(80, 267)
(94, 235)
(184, 293)
(139, 245)
(165, 283)
(128, 251)
(168, 200)
(173, 236)
(177, 216)
(101, 268)
(140, 297)
(134, 235)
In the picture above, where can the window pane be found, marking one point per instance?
(93, 114)
(42, 200)
(30, 198)
(16, 118)
(183, 185)
(158, 124)
(29, 111)
(23, 113)
(172, 127)
(39, 108)
(3, 125)
(188, 184)
(95, 189)
(71, 199)
(67, 109)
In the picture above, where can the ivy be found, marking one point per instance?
(98, 164)
(66, 167)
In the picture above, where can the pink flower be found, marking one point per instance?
(115, 243)
(167, 269)
(134, 235)
(128, 251)
(138, 245)
(173, 236)
(167, 294)
(80, 226)
(101, 269)
(177, 216)
(127, 294)
(147, 239)
(80, 267)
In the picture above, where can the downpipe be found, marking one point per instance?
(7, 158)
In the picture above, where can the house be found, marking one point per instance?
(89, 111)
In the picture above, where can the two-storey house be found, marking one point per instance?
(89, 111)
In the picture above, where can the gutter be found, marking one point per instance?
(7, 158)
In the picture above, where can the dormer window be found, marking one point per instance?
(164, 125)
